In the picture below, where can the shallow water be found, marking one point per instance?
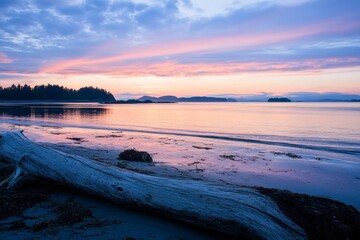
(333, 127)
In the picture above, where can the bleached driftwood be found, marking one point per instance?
(235, 211)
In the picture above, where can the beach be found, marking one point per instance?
(330, 171)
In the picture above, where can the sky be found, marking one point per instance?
(183, 47)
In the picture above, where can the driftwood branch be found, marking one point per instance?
(235, 211)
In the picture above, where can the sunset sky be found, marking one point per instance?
(183, 47)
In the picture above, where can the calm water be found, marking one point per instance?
(321, 126)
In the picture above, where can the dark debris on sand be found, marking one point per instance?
(5, 172)
(76, 139)
(109, 136)
(14, 203)
(68, 213)
(291, 155)
(205, 148)
(230, 157)
(321, 218)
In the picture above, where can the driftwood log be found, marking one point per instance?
(237, 211)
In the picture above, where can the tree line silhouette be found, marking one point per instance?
(54, 92)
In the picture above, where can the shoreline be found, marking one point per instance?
(211, 160)
(243, 138)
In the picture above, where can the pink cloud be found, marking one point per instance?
(4, 58)
(196, 45)
(173, 68)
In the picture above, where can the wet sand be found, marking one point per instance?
(175, 157)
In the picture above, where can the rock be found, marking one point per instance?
(321, 218)
(134, 155)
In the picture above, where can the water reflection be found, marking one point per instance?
(283, 122)
(52, 111)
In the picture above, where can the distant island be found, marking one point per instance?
(279, 99)
(54, 93)
(183, 99)
(131, 101)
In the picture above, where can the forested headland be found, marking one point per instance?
(54, 93)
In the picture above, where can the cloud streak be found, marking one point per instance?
(4, 58)
(177, 69)
(198, 9)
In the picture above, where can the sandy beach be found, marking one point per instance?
(174, 157)
(306, 171)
